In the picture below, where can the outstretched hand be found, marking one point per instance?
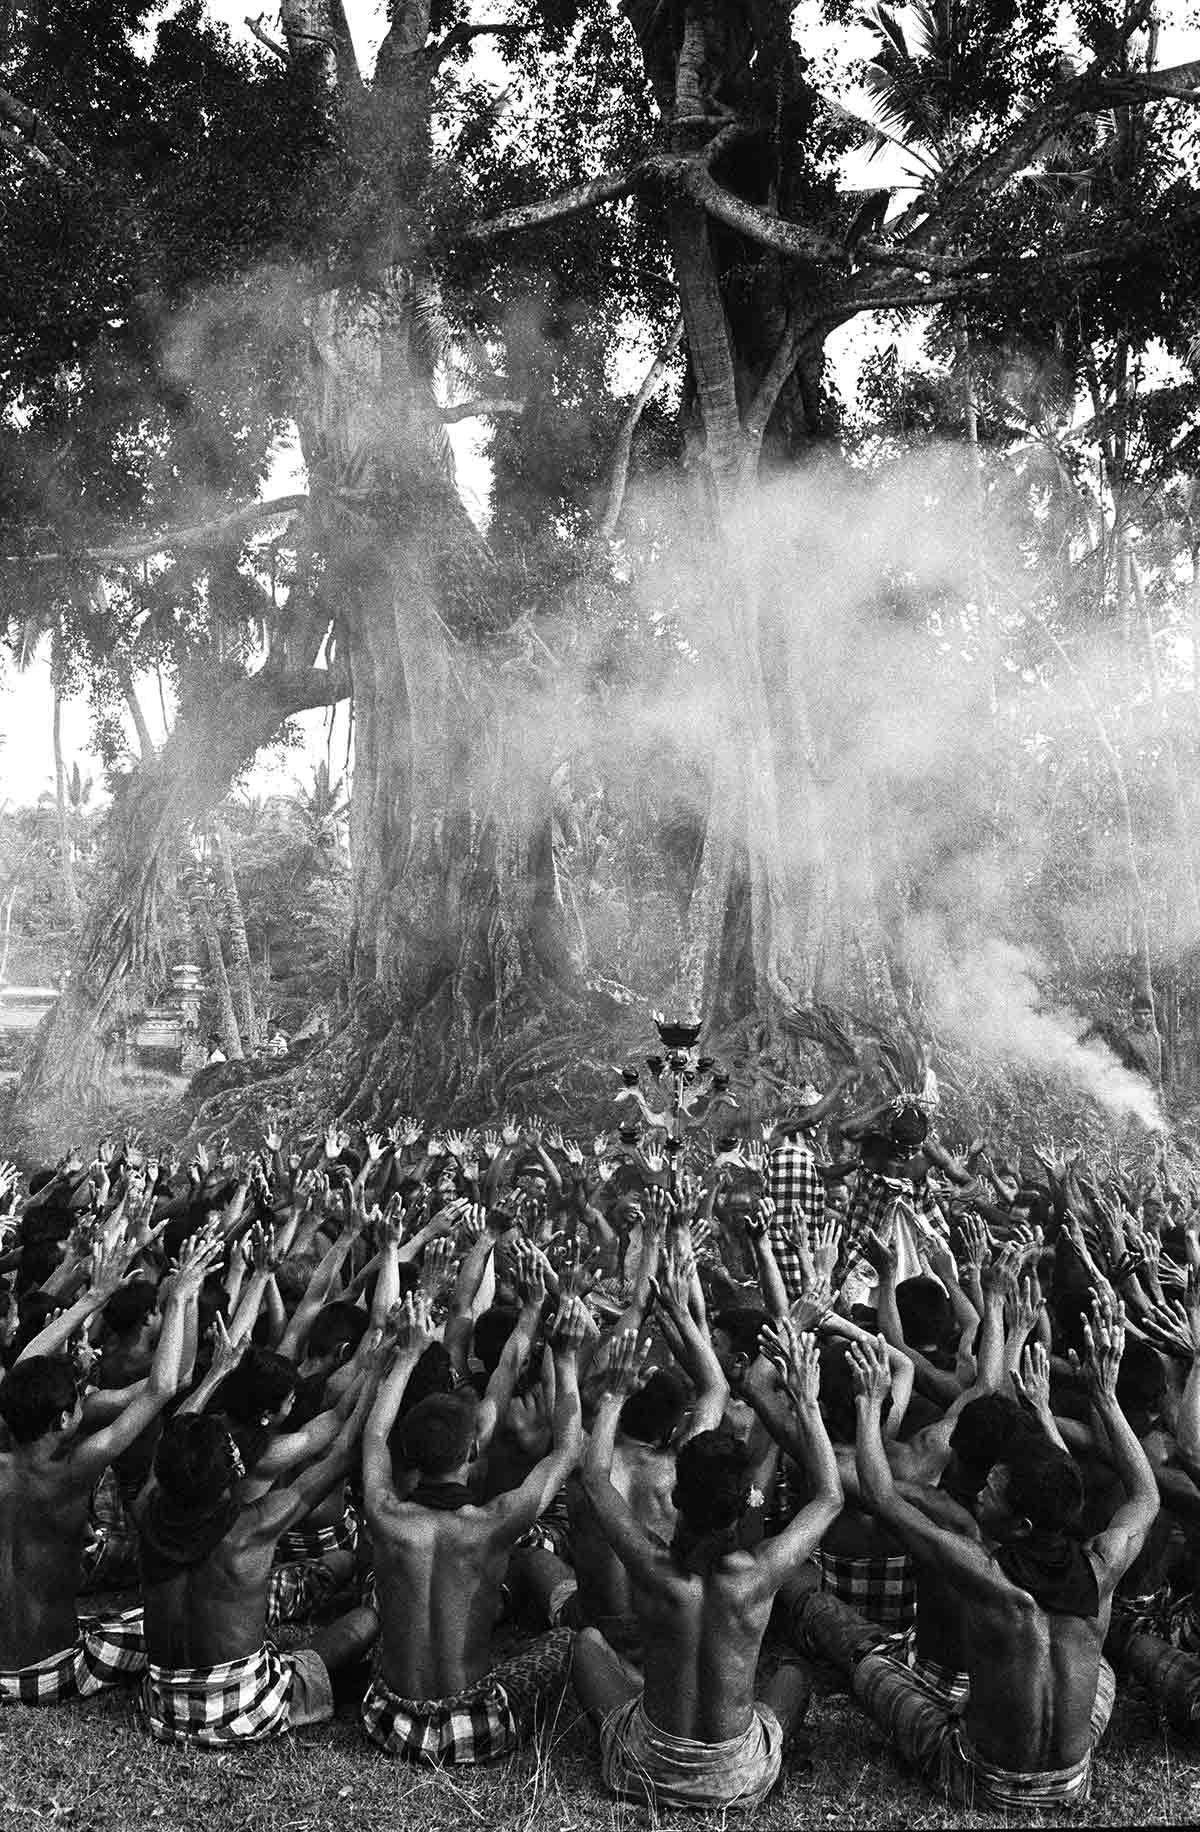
(627, 1364)
(870, 1370)
(1104, 1341)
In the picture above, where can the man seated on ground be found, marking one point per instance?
(696, 1734)
(654, 1424)
(206, 1566)
(47, 1655)
(1037, 1599)
(440, 1561)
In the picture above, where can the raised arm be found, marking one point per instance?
(962, 1561)
(692, 1347)
(1121, 1541)
(798, 1368)
(645, 1557)
(319, 1287)
(518, 1510)
(413, 1334)
(92, 1455)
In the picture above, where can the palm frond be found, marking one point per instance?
(878, 18)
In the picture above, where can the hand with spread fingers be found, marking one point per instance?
(627, 1364)
(1104, 1344)
(870, 1371)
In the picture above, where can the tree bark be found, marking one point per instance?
(151, 808)
(206, 925)
(240, 968)
(74, 909)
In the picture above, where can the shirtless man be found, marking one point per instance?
(440, 1561)
(206, 1559)
(655, 1422)
(47, 1654)
(696, 1735)
(1037, 1600)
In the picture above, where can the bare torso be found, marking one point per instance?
(43, 1521)
(702, 1638)
(213, 1611)
(438, 1577)
(645, 1478)
(1033, 1679)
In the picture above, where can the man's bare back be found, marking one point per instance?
(43, 1520)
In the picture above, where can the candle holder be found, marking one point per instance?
(696, 1089)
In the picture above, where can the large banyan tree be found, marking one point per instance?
(247, 245)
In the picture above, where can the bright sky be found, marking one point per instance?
(26, 754)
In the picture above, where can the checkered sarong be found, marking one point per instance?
(309, 1542)
(870, 1212)
(884, 1589)
(298, 1590)
(485, 1720)
(793, 1182)
(239, 1701)
(947, 1686)
(110, 1651)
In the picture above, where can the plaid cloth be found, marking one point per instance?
(110, 1651)
(947, 1686)
(870, 1212)
(309, 1542)
(930, 1735)
(641, 1762)
(298, 1590)
(793, 1182)
(485, 1720)
(240, 1701)
(884, 1589)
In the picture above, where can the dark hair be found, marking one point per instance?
(259, 1384)
(986, 1431)
(925, 1314)
(38, 1179)
(34, 1310)
(1045, 1485)
(743, 1324)
(492, 1330)
(130, 1305)
(712, 1481)
(194, 1460)
(653, 1414)
(436, 1436)
(433, 1377)
(908, 1128)
(1140, 1379)
(38, 1261)
(34, 1396)
(53, 1222)
(336, 1326)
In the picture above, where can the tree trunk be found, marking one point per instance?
(214, 739)
(206, 925)
(240, 966)
(74, 909)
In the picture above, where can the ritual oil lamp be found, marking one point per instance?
(699, 1088)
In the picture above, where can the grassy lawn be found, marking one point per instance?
(88, 1767)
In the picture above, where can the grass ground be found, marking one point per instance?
(87, 1767)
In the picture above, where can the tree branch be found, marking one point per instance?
(769, 231)
(754, 425)
(35, 131)
(27, 152)
(481, 409)
(463, 35)
(145, 545)
(605, 189)
(255, 27)
(618, 475)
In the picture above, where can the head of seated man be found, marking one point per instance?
(1141, 1385)
(1039, 1492)
(132, 1320)
(993, 1429)
(735, 1334)
(197, 1463)
(337, 1329)
(654, 1413)
(436, 1439)
(712, 1494)
(261, 1390)
(39, 1402)
(927, 1319)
